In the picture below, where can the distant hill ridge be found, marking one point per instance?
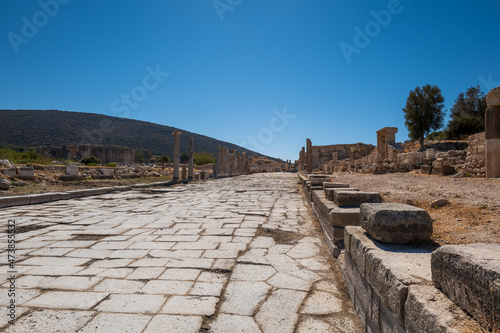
(32, 128)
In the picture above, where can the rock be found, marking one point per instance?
(4, 184)
(440, 203)
(470, 276)
(396, 223)
(426, 169)
(6, 163)
(20, 183)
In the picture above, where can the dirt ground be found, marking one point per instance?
(473, 215)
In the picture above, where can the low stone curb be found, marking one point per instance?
(34, 199)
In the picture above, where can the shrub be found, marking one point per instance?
(90, 161)
(203, 158)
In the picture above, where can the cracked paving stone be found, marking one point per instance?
(243, 298)
(191, 305)
(174, 324)
(278, 314)
(132, 303)
(226, 323)
(285, 281)
(116, 323)
(51, 321)
(67, 299)
(252, 272)
(321, 303)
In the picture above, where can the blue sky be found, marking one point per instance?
(263, 73)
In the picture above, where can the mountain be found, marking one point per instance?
(33, 128)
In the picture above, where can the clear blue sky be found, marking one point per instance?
(230, 63)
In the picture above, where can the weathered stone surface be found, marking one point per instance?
(4, 184)
(426, 169)
(438, 203)
(493, 97)
(27, 173)
(396, 223)
(10, 172)
(330, 192)
(344, 216)
(470, 276)
(334, 185)
(354, 198)
(389, 268)
(429, 310)
(318, 180)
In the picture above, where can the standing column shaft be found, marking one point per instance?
(218, 165)
(177, 148)
(492, 133)
(309, 157)
(191, 159)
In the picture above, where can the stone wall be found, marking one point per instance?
(476, 156)
(107, 154)
(323, 154)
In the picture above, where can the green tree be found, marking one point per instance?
(90, 160)
(163, 159)
(467, 115)
(424, 111)
(184, 157)
(203, 158)
(142, 156)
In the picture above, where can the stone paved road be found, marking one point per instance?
(230, 255)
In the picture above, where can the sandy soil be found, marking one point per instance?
(473, 214)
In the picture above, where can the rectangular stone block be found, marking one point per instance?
(39, 198)
(354, 198)
(469, 275)
(72, 169)
(68, 195)
(342, 217)
(330, 192)
(389, 268)
(322, 204)
(10, 172)
(27, 173)
(93, 191)
(18, 201)
(3, 202)
(334, 185)
(426, 169)
(396, 223)
(429, 310)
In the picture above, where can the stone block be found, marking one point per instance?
(331, 191)
(396, 223)
(17, 201)
(426, 169)
(27, 173)
(427, 161)
(72, 169)
(389, 269)
(122, 188)
(107, 172)
(10, 172)
(42, 197)
(92, 191)
(334, 185)
(429, 310)
(444, 170)
(342, 217)
(469, 275)
(354, 198)
(318, 181)
(3, 202)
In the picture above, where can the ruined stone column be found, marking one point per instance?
(218, 167)
(309, 156)
(226, 161)
(191, 159)
(302, 159)
(492, 133)
(177, 148)
(243, 162)
(232, 163)
(184, 173)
